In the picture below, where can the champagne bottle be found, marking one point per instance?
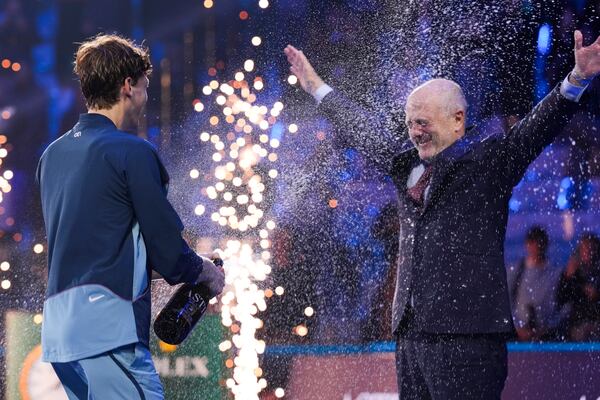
(183, 311)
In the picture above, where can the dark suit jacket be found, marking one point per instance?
(451, 254)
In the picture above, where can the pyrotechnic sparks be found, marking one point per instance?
(243, 144)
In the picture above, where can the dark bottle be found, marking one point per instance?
(183, 311)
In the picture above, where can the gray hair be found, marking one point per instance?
(449, 94)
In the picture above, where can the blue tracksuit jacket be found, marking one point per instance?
(108, 223)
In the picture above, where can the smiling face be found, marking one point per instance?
(435, 117)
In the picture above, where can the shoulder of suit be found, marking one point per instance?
(483, 139)
(484, 135)
(491, 136)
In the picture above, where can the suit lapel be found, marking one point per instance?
(404, 162)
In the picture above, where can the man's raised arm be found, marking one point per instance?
(526, 140)
(355, 126)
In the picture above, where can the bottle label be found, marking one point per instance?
(194, 306)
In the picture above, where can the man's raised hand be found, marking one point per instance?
(300, 66)
(587, 59)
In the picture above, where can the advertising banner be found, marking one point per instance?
(189, 371)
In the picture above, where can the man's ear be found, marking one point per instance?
(459, 117)
(127, 87)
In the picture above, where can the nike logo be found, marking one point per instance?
(95, 298)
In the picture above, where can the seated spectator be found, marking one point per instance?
(580, 289)
(532, 287)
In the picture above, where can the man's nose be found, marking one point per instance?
(414, 132)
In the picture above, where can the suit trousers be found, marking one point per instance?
(448, 367)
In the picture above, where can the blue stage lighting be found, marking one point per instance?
(544, 42)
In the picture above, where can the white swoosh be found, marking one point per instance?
(95, 298)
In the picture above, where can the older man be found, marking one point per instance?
(451, 313)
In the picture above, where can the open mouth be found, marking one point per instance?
(422, 141)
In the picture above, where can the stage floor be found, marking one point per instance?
(367, 372)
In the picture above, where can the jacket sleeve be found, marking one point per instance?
(525, 141)
(363, 130)
(168, 253)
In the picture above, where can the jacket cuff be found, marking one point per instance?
(570, 91)
(321, 92)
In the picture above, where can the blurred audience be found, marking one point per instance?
(16, 30)
(579, 288)
(532, 284)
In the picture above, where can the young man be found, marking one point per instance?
(451, 314)
(109, 225)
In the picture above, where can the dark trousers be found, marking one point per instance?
(447, 367)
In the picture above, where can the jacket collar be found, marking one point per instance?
(94, 120)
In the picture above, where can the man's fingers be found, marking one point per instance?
(597, 40)
(297, 63)
(290, 50)
(294, 55)
(297, 59)
(292, 58)
(578, 40)
(302, 56)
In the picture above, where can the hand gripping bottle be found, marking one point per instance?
(183, 311)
